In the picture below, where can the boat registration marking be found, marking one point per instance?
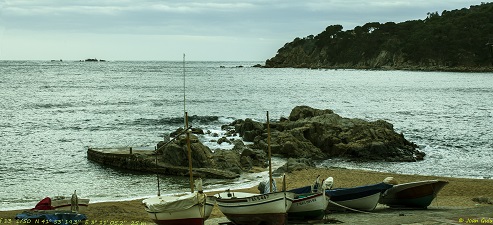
(259, 198)
(308, 201)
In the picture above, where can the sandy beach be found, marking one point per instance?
(453, 205)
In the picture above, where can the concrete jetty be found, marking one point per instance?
(145, 161)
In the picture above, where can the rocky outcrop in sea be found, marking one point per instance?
(322, 134)
(308, 134)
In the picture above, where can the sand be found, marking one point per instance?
(453, 205)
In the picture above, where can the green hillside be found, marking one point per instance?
(460, 40)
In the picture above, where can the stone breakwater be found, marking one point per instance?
(144, 161)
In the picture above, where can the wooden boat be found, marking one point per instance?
(363, 198)
(309, 203)
(73, 203)
(62, 203)
(190, 209)
(412, 195)
(251, 209)
(269, 208)
(308, 206)
(59, 211)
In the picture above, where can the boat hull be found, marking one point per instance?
(366, 203)
(359, 198)
(65, 204)
(308, 206)
(194, 215)
(252, 209)
(412, 195)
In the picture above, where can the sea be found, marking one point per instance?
(52, 111)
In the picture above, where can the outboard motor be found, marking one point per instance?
(327, 184)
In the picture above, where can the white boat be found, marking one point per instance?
(363, 198)
(308, 206)
(58, 210)
(268, 208)
(418, 194)
(63, 203)
(250, 209)
(310, 202)
(190, 209)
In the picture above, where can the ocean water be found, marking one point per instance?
(52, 111)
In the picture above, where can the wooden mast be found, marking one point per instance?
(184, 100)
(157, 175)
(189, 149)
(269, 150)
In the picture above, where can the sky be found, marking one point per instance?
(216, 30)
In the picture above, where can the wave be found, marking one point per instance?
(52, 105)
(195, 119)
(469, 90)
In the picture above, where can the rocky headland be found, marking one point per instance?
(432, 44)
(308, 134)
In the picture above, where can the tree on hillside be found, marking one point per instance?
(456, 38)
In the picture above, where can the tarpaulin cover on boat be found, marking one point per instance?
(173, 203)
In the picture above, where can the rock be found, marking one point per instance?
(295, 165)
(292, 143)
(223, 140)
(197, 130)
(227, 160)
(176, 153)
(248, 129)
(321, 134)
(250, 158)
(302, 112)
(180, 131)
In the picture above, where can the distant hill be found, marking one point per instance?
(457, 40)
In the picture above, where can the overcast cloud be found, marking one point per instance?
(204, 30)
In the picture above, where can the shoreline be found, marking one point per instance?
(453, 198)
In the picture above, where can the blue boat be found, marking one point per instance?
(50, 217)
(363, 198)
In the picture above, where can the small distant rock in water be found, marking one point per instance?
(94, 60)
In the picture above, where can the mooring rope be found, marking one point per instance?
(345, 207)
